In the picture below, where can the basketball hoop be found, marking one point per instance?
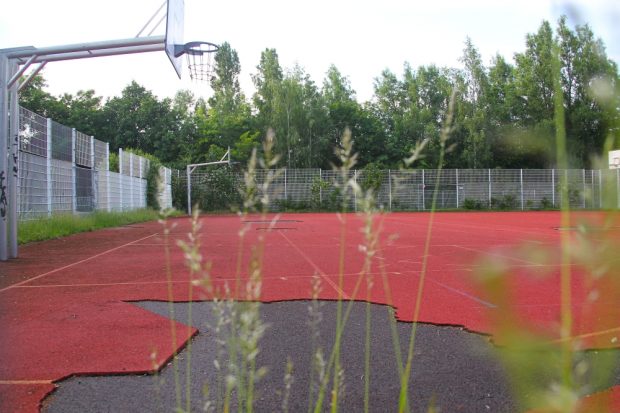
(200, 60)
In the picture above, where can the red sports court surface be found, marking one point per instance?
(66, 304)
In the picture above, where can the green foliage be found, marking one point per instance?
(153, 179)
(114, 165)
(504, 203)
(503, 117)
(317, 189)
(545, 203)
(66, 224)
(216, 190)
(372, 178)
(474, 204)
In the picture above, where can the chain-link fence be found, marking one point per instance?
(62, 170)
(406, 190)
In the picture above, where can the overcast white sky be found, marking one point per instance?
(360, 37)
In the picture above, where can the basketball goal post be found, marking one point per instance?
(14, 62)
(192, 167)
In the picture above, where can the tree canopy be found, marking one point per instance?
(504, 111)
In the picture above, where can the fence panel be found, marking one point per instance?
(115, 200)
(473, 188)
(32, 186)
(33, 133)
(62, 186)
(84, 191)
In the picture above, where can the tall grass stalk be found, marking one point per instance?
(565, 269)
(445, 135)
(173, 329)
(194, 262)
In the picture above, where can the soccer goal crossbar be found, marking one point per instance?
(192, 167)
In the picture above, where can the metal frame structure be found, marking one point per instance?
(192, 167)
(13, 64)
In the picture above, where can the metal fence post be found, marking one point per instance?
(189, 191)
(107, 176)
(490, 190)
(583, 173)
(285, 192)
(553, 187)
(390, 187)
(457, 187)
(120, 178)
(600, 188)
(521, 181)
(141, 192)
(423, 191)
(74, 170)
(618, 186)
(48, 166)
(354, 191)
(131, 183)
(92, 173)
(320, 187)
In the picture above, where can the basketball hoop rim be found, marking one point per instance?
(198, 48)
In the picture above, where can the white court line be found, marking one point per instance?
(494, 254)
(74, 264)
(26, 382)
(316, 268)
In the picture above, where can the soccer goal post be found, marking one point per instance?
(192, 167)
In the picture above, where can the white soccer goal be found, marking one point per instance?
(192, 167)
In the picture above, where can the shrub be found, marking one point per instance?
(473, 204)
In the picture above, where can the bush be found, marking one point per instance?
(473, 204)
(505, 203)
(546, 204)
(372, 178)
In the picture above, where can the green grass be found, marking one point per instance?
(62, 225)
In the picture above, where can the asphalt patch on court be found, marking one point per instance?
(456, 370)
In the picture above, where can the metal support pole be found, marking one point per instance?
(285, 191)
(390, 187)
(521, 181)
(73, 172)
(4, 120)
(13, 164)
(189, 191)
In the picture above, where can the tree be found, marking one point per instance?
(138, 120)
(583, 60)
(228, 115)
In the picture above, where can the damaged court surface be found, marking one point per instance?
(91, 304)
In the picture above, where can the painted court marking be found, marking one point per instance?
(26, 382)
(316, 268)
(20, 284)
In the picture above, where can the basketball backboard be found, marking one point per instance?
(175, 21)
